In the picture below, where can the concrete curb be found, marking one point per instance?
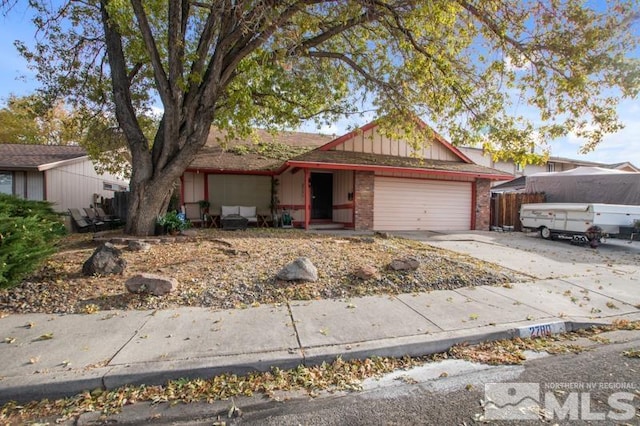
(22, 389)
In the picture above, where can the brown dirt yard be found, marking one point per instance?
(236, 269)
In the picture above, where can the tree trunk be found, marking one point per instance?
(148, 201)
(153, 181)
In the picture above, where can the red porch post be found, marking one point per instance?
(206, 187)
(307, 198)
(182, 189)
(474, 192)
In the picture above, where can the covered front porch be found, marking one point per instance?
(326, 201)
(317, 198)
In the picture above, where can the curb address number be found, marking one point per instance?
(540, 330)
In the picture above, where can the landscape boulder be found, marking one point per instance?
(300, 269)
(366, 272)
(156, 285)
(405, 264)
(135, 245)
(191, 233)
(105, 260)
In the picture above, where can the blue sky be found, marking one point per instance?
(17, 79)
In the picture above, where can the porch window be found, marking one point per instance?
(6, 183)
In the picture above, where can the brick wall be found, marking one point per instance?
(364, 200)
(483, 204)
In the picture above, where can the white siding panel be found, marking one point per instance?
(74, 185)
(35, 186)
(415, 204)
(20, 184)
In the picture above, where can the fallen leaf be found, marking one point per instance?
(47, 336)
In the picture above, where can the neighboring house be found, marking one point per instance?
(515, 185)
(63, 175)
(362, 180)
(554, 164)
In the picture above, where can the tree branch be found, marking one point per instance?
(365, 17)
(164, 88)
(519, 46)
(121, 90)
(134, 71)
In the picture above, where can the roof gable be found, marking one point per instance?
(37, 157)
(369, 140)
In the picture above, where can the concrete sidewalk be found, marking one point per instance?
(48, 356)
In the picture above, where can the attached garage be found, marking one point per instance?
(420, 204)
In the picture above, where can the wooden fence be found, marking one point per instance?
(505, 208)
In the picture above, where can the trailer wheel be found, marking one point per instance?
(545, 233)
(594, 234)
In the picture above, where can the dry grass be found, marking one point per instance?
(226, 269)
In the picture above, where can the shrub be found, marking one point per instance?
(29, 231)
(172, 221)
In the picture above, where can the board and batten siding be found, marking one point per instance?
(290, 193)
(74, 185)
(373, 142)
(239, 190)
(342, 187)
(193, 187)
(421, 204)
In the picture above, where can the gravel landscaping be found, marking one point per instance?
(236, 269)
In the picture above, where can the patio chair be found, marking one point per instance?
(192, 213)
(112, 221)
(95, 218)
(83, 223)
(90, 213)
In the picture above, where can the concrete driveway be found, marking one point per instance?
(531, 255)
(566, 279)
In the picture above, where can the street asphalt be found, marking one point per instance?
(570, 287)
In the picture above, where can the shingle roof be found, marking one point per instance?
(234, 158)
(366, 159)
(24, 156)
(517, 183)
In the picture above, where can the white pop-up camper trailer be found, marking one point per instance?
(587, 185)
(582, 221)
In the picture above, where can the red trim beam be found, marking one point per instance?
(370, 168)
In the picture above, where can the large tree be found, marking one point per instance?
(31, 120)
(37, 120)
(237, 64)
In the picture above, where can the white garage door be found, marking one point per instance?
(414, 204)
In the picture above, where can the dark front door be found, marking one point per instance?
(321, 195)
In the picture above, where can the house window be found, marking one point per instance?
(113, 187)
(551, 167)
(519, 167)
(6, 183)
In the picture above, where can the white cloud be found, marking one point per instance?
(510, 66)
(340, 126)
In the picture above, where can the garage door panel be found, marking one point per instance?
(413, 204)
